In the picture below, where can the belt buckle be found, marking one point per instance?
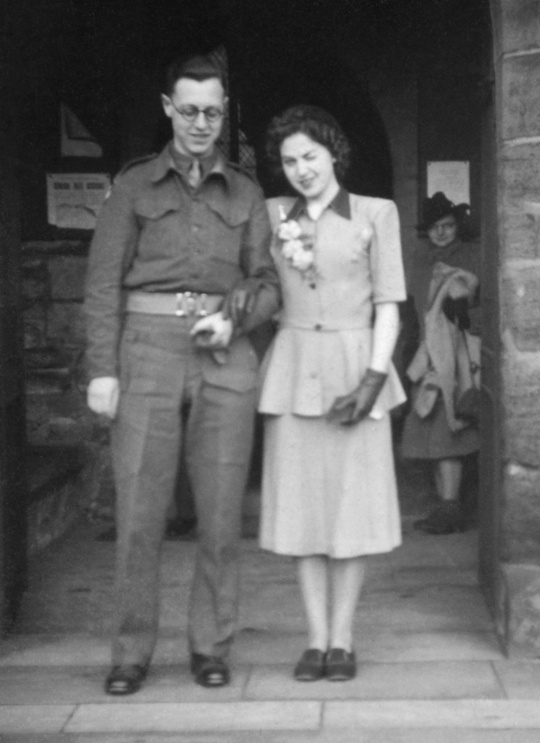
(190, 303)
(180, 306)
(201, 305)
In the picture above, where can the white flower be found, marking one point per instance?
(296, 248)
(291, 248)
(290, 230)
(362, 240)
(302, 260)
(364, 236)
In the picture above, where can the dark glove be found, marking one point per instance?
(240, 301)
(457, 311)
(352, 408)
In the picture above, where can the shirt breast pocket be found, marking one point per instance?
(158, 221)
(151, 211)
(229, 223)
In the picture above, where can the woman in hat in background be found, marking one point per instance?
(446, 298)
(329, 495)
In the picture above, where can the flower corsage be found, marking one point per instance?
(297, 248)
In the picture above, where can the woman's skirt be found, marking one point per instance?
(432, 437)
(328, 489)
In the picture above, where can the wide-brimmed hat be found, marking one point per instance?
(438, 206)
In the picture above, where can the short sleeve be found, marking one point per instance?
(386, 262)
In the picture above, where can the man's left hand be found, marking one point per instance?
(212, 332)
(240, 301)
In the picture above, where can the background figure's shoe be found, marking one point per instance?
(180, 528)
(125, 679)
(446, 518)
(311, 666)
(209, 670)
(340, 665)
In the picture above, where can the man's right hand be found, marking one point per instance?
(102, 396)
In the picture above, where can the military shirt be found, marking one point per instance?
(156, 234)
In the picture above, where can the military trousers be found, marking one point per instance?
(174, 395)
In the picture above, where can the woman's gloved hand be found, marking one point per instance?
(352, 408)
(457, 311)
(240, 301)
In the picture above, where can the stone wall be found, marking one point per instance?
(68, 472)
(516, 25)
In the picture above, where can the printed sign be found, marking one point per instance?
(74, 199)
(452, 178)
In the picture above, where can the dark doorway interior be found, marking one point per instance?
(105, 62)
(98, 60)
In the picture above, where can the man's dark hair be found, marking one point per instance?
(196, 67)
(315, 123)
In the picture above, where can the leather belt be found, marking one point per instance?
(181, 304)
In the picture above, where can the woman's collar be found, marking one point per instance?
(340, 204)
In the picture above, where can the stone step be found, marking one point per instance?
(504, 721)
(382, 735)
(258, 648)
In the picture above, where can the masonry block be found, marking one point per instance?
(519, 610)
(67, 275)
(57, 493)
(521, 96)
(520, 24)
(521, 514)
(521, 372)
(66, 323)
(520, 298)
(519, 187)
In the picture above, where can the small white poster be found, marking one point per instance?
(75, 199)
(452, 178)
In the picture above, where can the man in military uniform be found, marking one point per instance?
(179, 271)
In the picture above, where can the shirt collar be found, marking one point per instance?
(165, 162)
(340, 204)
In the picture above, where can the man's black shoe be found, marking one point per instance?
(125, 679)
(209, 671)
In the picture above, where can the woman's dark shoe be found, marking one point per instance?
(340, 665)
(311, 666)
(209, 670)
(446, 518)
(125, 679)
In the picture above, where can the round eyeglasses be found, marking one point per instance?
(212, 114)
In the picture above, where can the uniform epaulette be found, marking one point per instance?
(242, 169)
(136, 161)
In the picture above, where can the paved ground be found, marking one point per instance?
(430, 668)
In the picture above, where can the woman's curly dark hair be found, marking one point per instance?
(315, 123)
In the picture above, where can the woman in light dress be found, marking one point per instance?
(329, 490)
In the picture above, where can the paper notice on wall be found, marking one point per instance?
(75, 199)
(452, 177)
(75, 139)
